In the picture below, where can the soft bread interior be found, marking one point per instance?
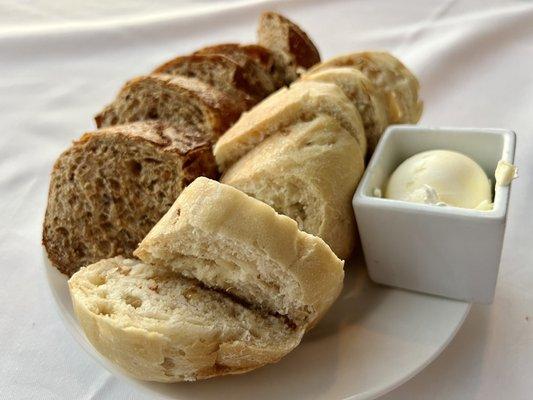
(308, 172)
(228, 240)
(164, 327)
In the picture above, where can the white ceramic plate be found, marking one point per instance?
(372, 340)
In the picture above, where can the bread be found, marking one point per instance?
(245, 82)
(284, 37)
(256, 285)
(303, 101)
(309, 172)
(159, 326)
(363, 94)
(270, 62)
(182, 102)
(230, 241)
(398, 86)
(112, 185)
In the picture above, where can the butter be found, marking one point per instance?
(505, 173)
(443, 178)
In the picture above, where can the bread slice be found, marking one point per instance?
(284, 37)
(303, 101)
(182, 102)
(363, 94)
(235, 243)
(398, 86)
(309, 172)
(112, 185)
(159, 326)
(270, 62)
(245, 82)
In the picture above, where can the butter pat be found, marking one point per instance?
(505, 173)
(441, 177)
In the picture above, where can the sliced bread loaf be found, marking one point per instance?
(303, 101)
(245, 82)
(182, 102)
(398, 86)
(159, 326)
(270, 62)
(309, 172)
(284, 37)
(363, 94)
(112, 185)
(235, 243)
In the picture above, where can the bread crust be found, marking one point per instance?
(396, 84)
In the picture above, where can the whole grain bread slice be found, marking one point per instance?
(183, 102)
(245, 83)
(270, 62)
(112, 185)
(279, 34)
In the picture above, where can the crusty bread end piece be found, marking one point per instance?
(112, 185)
(159, 326)
(303, 101)
(233, 242)
(283, 36)
(308, 172)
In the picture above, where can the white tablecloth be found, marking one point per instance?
(61, 61)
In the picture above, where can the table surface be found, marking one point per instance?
(62, 61)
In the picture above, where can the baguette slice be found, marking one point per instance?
(303, 101)
(309, 173)
(363, 94)
(182, 102)
(245, 82)
(284, 37)
(270, 62)
(398, 86)
(159, 326)
(112, 185)
(235, 243)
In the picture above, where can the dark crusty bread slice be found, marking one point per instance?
(112, 185)
(246, 83)
(279, 34)
(269, 61)
(182, 102)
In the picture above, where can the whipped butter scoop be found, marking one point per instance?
(441, 177)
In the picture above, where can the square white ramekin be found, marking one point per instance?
(447, 251)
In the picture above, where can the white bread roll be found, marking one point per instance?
(303, 101)
(309, 173)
